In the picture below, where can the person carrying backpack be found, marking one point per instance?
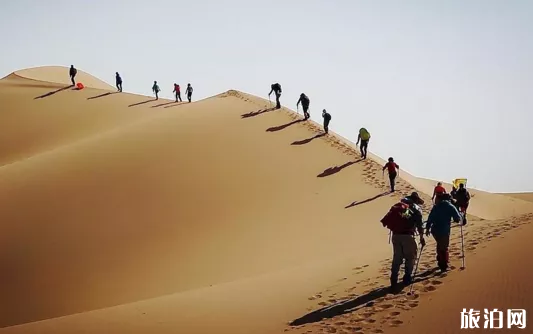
(156, 90)
(439, 225)
(305, 105)
(276, 88)
(403, 219)
(439, 190)
(364, 137)
(327, 119)
(391, 166)
(462, 198)
(177, 92)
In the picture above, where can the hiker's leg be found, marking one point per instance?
(72, 80)
(443, 242)
(179, 96)
(278, 103)
(392, 178)
(410, 250)
(397, 259)
(189, 97)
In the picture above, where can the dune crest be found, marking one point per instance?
(59, 75)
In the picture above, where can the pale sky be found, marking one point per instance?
(445, 87)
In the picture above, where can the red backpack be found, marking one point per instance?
(398, 219)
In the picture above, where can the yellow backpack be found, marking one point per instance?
(365, 135)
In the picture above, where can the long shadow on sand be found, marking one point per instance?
(143, 102)
(308, 140)
(353, 305)
(164, 104)
(284, 126)
(356, 203)
(176, 104)
(256, 113)
(336, 169)
(101, 95)
(53, 92)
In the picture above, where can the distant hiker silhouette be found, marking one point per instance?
(276, 88)
(364, 137)
(391, 166)
(188, 91)
(72, 74)
(156, 90)
(327, 119)
(437, 191)
(304, 100)
(177, 92)
(118, 80)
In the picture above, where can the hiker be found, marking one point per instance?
(177, 92)
(327, 119)
(364, 137)
(188, 91)
(439, 225)
(403, 219)
(276, 88)
(73, 73)
(118, 80)
(156, 90)
(462, 200)
(305, 105)
(438, 190)
(391, 166)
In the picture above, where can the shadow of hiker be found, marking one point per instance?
(353, 305)
(281, 127)
(164, 104)
(143, 102)
(53, 92)
(255, 113)
(366, 200)
(336, 169)
(176, 104)
(308, 140)
(101, 95)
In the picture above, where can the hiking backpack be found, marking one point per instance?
(399, 219)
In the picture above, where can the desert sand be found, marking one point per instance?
(121, 214)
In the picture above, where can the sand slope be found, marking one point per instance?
(60, 75)
(126, 215)
(523, 196)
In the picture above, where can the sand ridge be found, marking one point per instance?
(156, 216)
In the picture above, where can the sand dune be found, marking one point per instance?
(59, 75)
(126, 215)
(523, 196)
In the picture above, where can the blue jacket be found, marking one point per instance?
(440, 217)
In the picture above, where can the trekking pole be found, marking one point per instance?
(390, 236)
(462, 247)
(270, 101)
(416, 269)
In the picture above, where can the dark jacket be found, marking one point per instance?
(440, 217)
(462, 196)
(327, 117)
(73, 71)
(416, 215)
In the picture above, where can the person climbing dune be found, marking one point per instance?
(391, 167)
(327, 119)
(72, 72)
(177, 92)
(188, 91)
(156, 90)
(439, 225)
(304, 100)
(403, 219)
(462, 200)
(118, 80)
(364, 137)
(438, 190)
(276, 88)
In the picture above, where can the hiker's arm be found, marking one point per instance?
(455, 214)
(429, 222)
(298, 103)
(270, 92)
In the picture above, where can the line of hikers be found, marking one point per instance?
(155, 88)
(405, 221)
(363, 137)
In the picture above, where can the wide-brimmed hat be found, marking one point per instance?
(416, 198)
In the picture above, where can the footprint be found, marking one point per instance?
(396, 322)
(394, 314)
(430, 288)
(413, 305)
(436, 282)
